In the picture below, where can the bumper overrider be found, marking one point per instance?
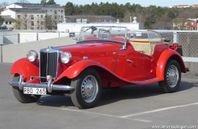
(48, 85)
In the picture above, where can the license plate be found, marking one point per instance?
(34, 91)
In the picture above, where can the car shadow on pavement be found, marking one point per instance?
(114, 95)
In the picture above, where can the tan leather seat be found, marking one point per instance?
(144, 46)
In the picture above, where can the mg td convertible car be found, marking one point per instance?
(104, 57)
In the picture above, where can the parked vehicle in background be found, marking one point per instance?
(104, 57)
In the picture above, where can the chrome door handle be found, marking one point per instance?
(114, 53)
(130, 61)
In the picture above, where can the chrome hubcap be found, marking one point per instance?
(172, 76)
(89, 88)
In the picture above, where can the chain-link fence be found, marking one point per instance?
(189, 42)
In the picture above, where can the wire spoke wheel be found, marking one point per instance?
(172, 76)
(89, 88)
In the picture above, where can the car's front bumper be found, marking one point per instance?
(48, 85)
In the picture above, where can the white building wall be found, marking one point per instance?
(59, 13)
(26, 21)
(35, 36)
(9, 12)
(75, 27)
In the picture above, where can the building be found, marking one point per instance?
(191, 24)
(90, 18)
(27, 19)
(35, 16)
(185, 24)
(182, 6)
(186, 6)
(8, 22)
(194, 6)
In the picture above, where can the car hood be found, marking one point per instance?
(90, 50)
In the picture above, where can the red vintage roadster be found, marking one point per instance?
(104, 57)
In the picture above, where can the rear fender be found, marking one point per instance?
(25, 68)
(74, 70)
(167, 55)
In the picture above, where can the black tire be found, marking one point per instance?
(23, 98)
(77, 95)
(166, 84)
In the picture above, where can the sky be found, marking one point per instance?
(167, 3)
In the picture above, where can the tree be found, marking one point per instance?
(51, 2)
(43, 2)
(50, 22)
(70, 8)
(152, 16)
(1, 20)
(17, 24)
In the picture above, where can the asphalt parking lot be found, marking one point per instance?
(132, 107)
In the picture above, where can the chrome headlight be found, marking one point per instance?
(65, 57)
(32, 55)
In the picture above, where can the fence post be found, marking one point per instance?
(37, 36)
(175, 37)
(1, 53)
(1, 50)
(18, 38)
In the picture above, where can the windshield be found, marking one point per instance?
(144, 36)
(115, 33)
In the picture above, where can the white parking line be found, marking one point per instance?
(88, 112)
(142, 120)
(103, 114)
(159, 110)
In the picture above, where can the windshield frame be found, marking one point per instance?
(98, 32)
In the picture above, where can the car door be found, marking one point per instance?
(133, 65)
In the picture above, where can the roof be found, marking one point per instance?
(37, 5)
(27, 10)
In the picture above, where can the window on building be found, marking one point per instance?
(32, 23)
(18, 16)
(41, 16)
(10, 22)
(32, 17)
(55, 11)
(42, 23)
(61, 11)
(6, 22)
(55, 17)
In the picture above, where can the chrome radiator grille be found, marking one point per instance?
(48, 64)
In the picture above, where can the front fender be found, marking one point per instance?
(74, 70)
(25, 68)
(163, 60)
